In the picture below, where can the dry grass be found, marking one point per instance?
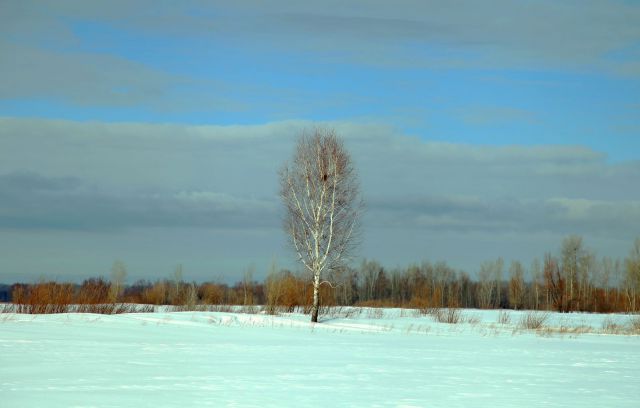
(374, 313)
(562, 330)
(634, 325)
(612, 326)
(473, 319)
(576, 330)
(248, 309)
(216, 308)
(504, 317)
(6, 308)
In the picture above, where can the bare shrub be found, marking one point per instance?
(453, 316)
(449, 315)
(211, 293)
(158, 294)
(92, 296)
(190, 297)
(94, 291)
(285, 292)
(181, 293)
(533, 320)
(504, 317)
(43, 297)
(427, 311)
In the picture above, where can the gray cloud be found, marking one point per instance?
(163, 175)
(46, 58)
(33, 201)
(207, 195)
(498, 34)
(556, 216)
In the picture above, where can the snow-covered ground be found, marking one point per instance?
(363, 357)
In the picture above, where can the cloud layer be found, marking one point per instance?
(51, 57)
(100, 178)
(162, 175)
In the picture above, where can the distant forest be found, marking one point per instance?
(573, 280)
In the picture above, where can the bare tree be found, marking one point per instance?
(572, 251)
(537, 284)
(498, 266)
(247, 285)
(118, 276)
(369, 272)
(320, 191)
(516, 285)
(555, 284)
(174, 294)
(489, 281)
(486, 284)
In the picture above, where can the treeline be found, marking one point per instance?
(573, 280)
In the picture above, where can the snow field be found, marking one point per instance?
(355, 357)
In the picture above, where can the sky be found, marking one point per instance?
(152, 132)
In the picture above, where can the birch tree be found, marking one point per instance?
(320, 191)
(516, 285)
(571, 252)
(118, 276)
(486, 284)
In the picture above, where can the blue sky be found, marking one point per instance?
(557, 79)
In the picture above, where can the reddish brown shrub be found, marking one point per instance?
(93, 291)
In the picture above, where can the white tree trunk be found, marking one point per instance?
(316, 297)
